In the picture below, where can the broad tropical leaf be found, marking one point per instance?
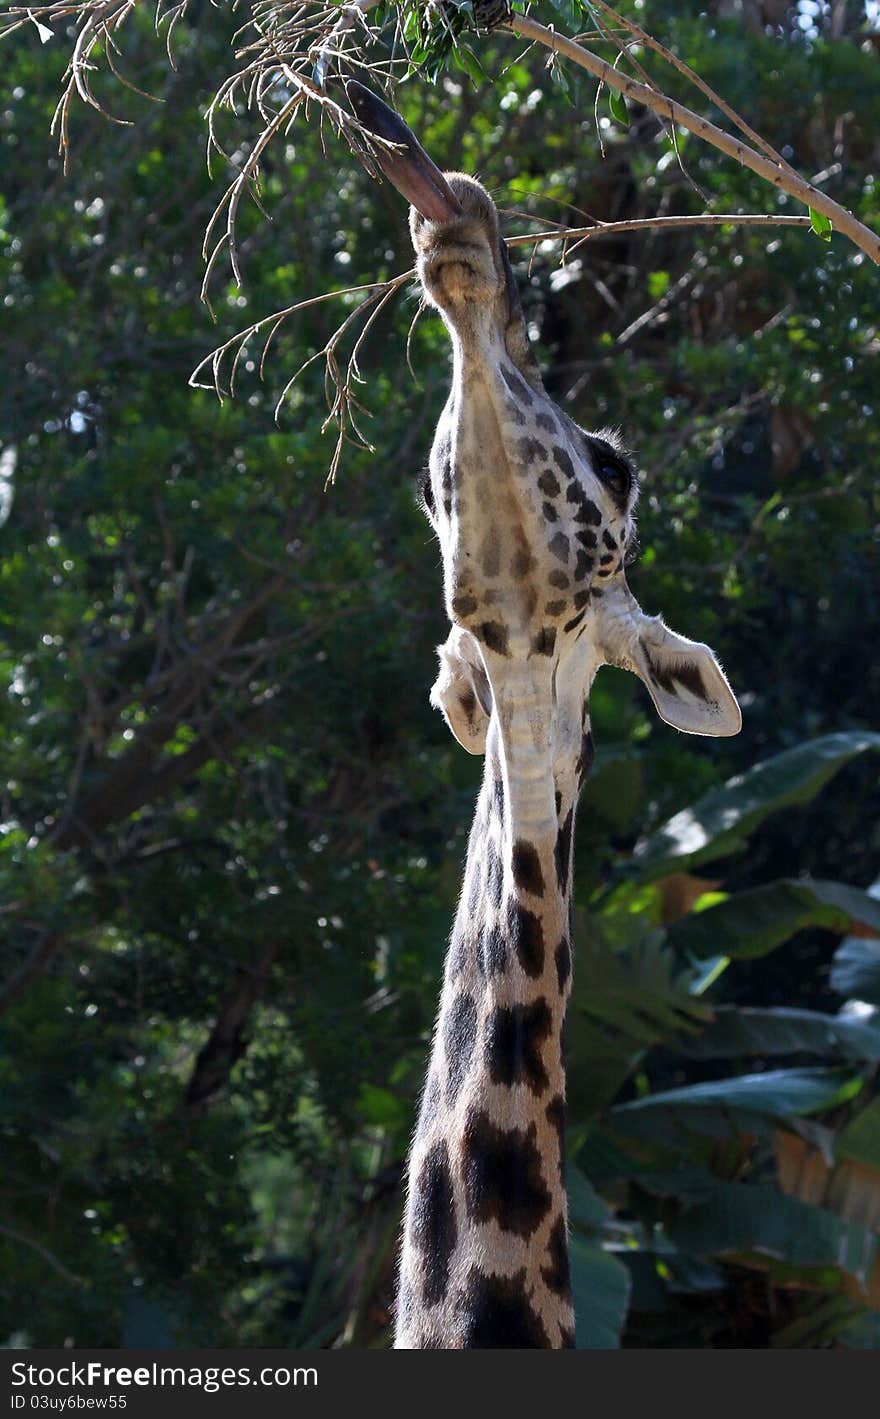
(863, 1333)
(623, 1003)
(722, 821)
(752, 923)
(640, 995)
(736, 1032)
(750, 1219)
(855, 971)
(860, 1140)
(720, 1103)
(601, 1287)
(824, 1321)
(586, 1209)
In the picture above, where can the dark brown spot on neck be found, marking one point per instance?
(526, 864)
(498, 1316)
(459, 1036)
(563, 850)
(514, 1036)
(563, 963)
(527, 938)
(502, 1175)
(557, 1272)
(517, 385)
(433, 1225)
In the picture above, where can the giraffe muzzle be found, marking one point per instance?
(407, 165)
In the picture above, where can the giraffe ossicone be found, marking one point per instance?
(534, 516)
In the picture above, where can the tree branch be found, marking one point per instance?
(783, 178)
(653, 44)
(33, 966)
(703, 219)
(226, 1043)
(51, 1260)
(138, 778)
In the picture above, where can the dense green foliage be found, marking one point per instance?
(232, 829)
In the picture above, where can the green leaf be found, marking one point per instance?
(658, 284)
(468, 61)
(823, 1322)
(586, 1209)
(860, 1140)
(607, 1157)
(772, 1094)
(855, 970)
(641, 994)
(601, 1288)
(736, 1032)
(863, 1333)
(410, 24)
(623, 1002)
(570, 11)
(752, 923)
(721, 821)
(820, 224)
(757, 1218)
(618, 108)
(559, 75)
(860, 905)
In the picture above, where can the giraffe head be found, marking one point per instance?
(462, 263)
(461, 259)
(535, 516)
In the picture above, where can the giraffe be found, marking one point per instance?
(534, 517)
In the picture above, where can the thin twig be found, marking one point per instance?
(343, 405)
(49, 1257)
(285, 40)
(703, 219)
(650, 43)
(780, 177)
(646, 79)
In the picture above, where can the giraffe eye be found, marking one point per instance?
(616, 475)
(426, 493)
(613, 470)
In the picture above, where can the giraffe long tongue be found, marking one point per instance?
(408, 167)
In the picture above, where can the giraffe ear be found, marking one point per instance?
(685, 681)
(461, 691)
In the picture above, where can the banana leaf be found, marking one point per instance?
(722, 821)
(752, 923)
(855, 970)
(601, 1288)
(736, 1032)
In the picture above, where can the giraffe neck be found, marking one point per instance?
(485, 1253)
